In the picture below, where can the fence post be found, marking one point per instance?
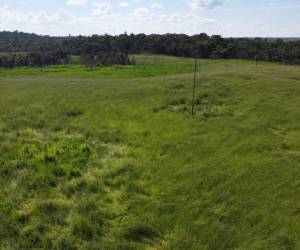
(133, 62)
(194, 87)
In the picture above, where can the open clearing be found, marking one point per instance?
(111, 158)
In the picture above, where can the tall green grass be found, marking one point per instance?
(93, 161)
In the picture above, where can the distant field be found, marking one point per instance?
(111, 158)
(146, 66)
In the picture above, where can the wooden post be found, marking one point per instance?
(194, 87)
(148, 65)
(133, 62)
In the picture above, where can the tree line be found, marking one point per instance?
(23, 49)
(104, 59)
(38, 59)
(197, 46)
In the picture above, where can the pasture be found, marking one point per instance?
(110, 158)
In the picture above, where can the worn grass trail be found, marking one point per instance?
(94, 161)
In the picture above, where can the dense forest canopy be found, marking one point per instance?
(25, 42)
(23, 49)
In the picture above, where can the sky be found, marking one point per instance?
(229, 18)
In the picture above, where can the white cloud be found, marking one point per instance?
(62, 22)
(206, 4)
(102, 19)
(124, 4)
(15, 18)
(62, 16)
(21, 2)
(102, 9)
(77, 2)
(140, 13)
(156, 6)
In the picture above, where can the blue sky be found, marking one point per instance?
(273, 18)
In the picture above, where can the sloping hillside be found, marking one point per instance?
(101, 162)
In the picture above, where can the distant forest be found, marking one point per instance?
(23, 49)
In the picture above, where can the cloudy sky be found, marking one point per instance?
(274, 18)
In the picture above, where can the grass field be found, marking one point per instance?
(111, 158)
